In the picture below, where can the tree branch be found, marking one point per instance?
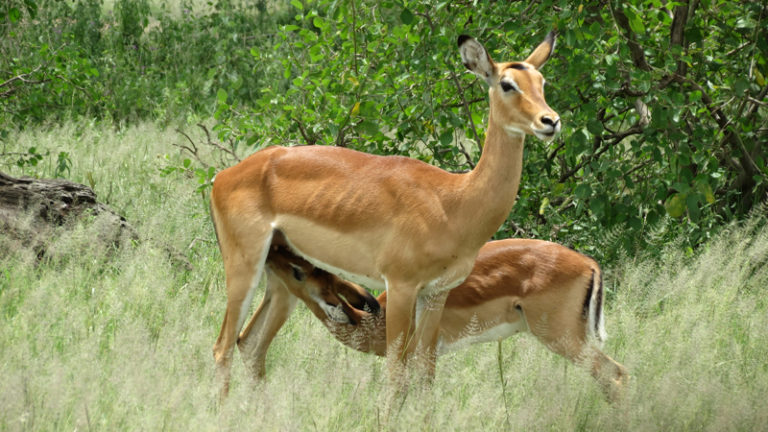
(635, 50)
(309, 140)
(603, 146)
(682, 13)
(465, 104)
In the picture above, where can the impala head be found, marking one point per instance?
(324, 293)
(516, 88)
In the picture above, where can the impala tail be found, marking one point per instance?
(593, 308)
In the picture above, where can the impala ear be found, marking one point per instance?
(476, 59)
(541, 54)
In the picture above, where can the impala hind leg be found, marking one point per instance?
(564, 331)
(242, 272)
(612, 376)
(429, 311)
(274, 310)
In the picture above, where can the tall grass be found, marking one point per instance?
(122, 340)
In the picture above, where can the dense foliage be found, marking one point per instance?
(663, 103)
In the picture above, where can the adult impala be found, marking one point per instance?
(516, 285)
(383, 221)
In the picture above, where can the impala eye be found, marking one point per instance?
(507, 86)
(297, 273)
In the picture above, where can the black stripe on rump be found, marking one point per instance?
(598, 303)
(588, 297)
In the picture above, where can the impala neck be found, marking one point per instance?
(493, 184)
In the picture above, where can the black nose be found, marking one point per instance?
(550, 121)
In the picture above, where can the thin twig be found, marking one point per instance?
(199, 239)
(464, 151)
(603, 146)
(461, 104)
(303, 132)
(20, 77)
(191, 150)
(230, 151)
(465, 104)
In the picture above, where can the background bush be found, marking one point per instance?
(663, 104)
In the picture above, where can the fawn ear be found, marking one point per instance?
(476, 59)
(541, 54)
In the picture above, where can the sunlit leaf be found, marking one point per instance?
(543, 206)
(675, 205)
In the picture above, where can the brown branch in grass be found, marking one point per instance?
(191, 149)
(194, 150)
(200, 240)
(230, 151)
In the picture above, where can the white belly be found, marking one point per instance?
(475, 336)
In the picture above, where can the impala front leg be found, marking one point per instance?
(242, 272)
(401, 303)
(240, 286)
(274, 310)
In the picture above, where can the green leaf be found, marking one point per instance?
(446, 138)
(692, 203)
(297, 4)
(368, 109)
(740, 86)
(597, 206)
(635, 21)
(595, 127)
(14, 14)
(406, 16)
(369, 127)
(583, 191)
(221, 96)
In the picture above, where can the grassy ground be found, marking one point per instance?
(92, 341)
